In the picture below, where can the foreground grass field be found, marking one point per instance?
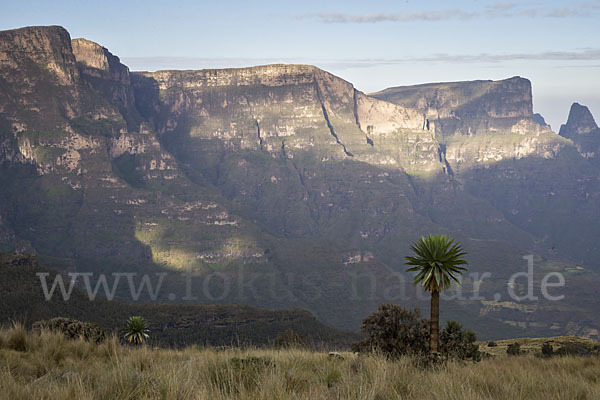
(48, 366)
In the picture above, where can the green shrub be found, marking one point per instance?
(394, 331)
(73, 329)
(458, 343)
(492, 344)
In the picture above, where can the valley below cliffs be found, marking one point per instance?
(284, 186)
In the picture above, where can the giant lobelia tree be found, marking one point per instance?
(437, 260)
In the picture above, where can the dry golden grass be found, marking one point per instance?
(48, 366)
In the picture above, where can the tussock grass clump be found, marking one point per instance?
(16, 337)
(55, 367)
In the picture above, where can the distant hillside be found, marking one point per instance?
(22, 299)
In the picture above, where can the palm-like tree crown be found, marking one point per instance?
(136, 330)
(438, 260)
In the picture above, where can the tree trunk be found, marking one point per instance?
(434, 328)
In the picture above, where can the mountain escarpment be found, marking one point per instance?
(287, 183)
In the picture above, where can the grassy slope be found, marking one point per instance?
(52, 367)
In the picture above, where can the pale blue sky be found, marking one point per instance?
(373, 44)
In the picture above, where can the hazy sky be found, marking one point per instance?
(373, 44)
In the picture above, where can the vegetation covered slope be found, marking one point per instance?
(178, 325)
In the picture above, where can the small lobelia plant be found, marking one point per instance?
(136, 330)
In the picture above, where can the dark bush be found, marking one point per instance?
(492, 344)
(513, 349)
(547, 350)
(394, 331)
(73, 329)
(458, 343)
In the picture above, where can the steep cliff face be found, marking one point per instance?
(582, 129)
(469, 108)
(36, 60)
(42, 93)
(286, 110)
(75, 154)
(104, 73)
(61, 113)
(481, 121)
(97, 61)
(47, 46)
